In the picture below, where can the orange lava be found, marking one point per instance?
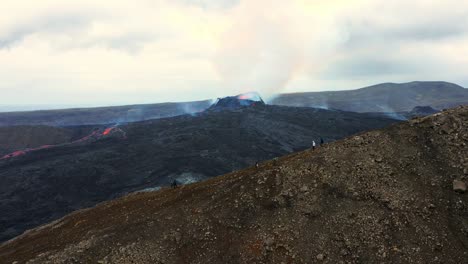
(94, 134)
(107, 131)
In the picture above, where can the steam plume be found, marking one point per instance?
(256, 54)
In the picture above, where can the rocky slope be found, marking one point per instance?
(43, 185)
(385, 97)
(384, 196)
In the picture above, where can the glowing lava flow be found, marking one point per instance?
(96, 134)
(114, 130)
(249, 96)
(23, 152)
(107, 131)
(14, 154)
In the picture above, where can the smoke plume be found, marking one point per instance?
(257, 52)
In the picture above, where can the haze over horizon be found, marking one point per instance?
(88, 53)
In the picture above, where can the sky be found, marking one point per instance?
(114, 52)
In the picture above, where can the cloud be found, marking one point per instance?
(384, 24)
(368, 67)
(129, 42)
(210, 4)
(118, 52)
(50, 24)
(83, 28)
(399, 41)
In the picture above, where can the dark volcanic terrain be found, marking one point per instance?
(15, 138)
(45, 184)
(101, 115)
(385, 97)
(395, 195)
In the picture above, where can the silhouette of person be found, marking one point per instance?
(321, 141)
(174, 184)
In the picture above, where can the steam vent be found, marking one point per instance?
(238, 101)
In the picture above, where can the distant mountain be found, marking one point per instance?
(42, 185)
(386, 97)
(396, 195)
(101, 115)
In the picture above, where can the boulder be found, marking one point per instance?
(459, 186)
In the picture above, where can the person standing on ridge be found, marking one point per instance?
(174, 184)
(313, 144)
(321, 141)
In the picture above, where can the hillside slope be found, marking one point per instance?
(46, 184)
(379, 197)
(385, 97)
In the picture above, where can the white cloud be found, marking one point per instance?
(116, 52)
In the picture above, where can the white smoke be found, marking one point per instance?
(194, 108)
(389, 112)
(270, 43)
(256, 53)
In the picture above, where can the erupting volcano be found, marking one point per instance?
(95, 135)
(238, 101)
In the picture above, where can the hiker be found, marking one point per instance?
(174, 184)
(313, 144)
(256, 164)
(321, 141)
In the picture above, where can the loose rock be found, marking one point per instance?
(459, 186)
